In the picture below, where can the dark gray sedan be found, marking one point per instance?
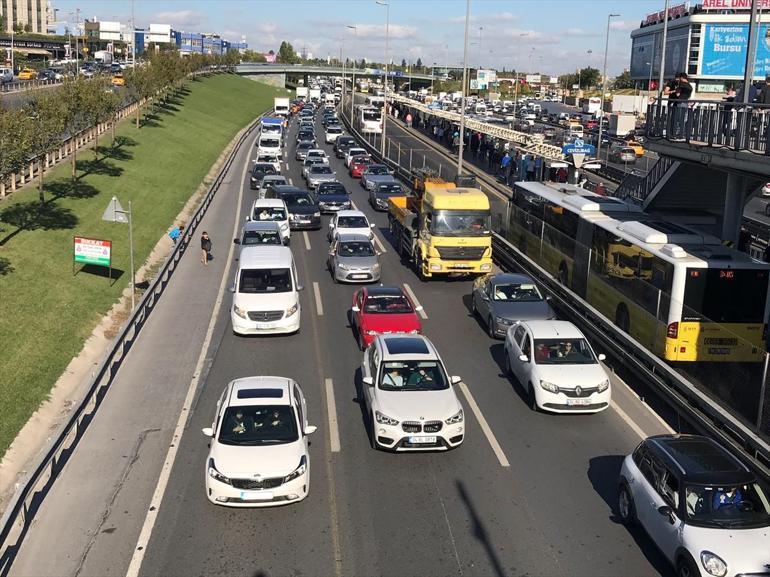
(375, 174)
(502, 299)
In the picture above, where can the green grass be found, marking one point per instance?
(46, 313)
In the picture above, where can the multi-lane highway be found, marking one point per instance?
(527, 494)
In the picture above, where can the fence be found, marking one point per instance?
(24, 85)
(32, 490)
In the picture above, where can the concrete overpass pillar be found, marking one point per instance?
(306, 78)
(735, 198)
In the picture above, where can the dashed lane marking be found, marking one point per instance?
(306, 236)
(496, 448)
(331, 409)
(318, 304)
(412, 296)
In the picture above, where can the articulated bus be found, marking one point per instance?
(370, 119)
(679, 292)
(375, 101)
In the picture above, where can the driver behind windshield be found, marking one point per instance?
(729, 496)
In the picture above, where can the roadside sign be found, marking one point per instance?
(93, 251)
(578, 146)
(577, 159)
(114, 212)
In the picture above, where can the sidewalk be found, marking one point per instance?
(89, 522)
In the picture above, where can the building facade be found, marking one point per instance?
(28, 15)
(708, 41)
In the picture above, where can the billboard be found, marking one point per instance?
(92, 251)
(734, 4)
(645, 49)
(724, 50)
(484, 78)
(533, 79)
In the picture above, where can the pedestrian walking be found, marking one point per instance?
(530, 168)
(505, 167)
(205, 248)
(408, 120)
(176, 232)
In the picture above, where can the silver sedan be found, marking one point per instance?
(353, 258)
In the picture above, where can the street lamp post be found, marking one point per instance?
(385, 88)
(465, 82)
(353, 81)
(432, 76)
(604, 85)
(516, 93)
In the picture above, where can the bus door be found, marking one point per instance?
(582, 257)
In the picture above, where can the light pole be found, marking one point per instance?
(604, 85)
(344, 78)
(432, 76)
(465, 82)
(481, 29)
(385, 87)
(353, 82)
(516, 80)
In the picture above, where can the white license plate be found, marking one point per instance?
(461, 266)
(359, 276)
(265, 325)
(578, 402)
(256, 495)
(421, 440)
(303, 221)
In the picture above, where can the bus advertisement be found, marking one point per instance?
(677, 291)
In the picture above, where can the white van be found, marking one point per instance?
(269, 143)
(272, 209)
(575, 130)
(273, 158)
(6, 75)
(265, 292)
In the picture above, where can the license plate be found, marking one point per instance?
(578, 402)
(359, 276)
(256, 495)
(422, 440)
(718, 351)
(265, 325)
(461, 266)
(303, 221)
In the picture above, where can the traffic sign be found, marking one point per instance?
(578, 146)
(114, 212)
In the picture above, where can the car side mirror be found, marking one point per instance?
(300, 287)
(368, 381)
(601, 356)
(232, 288)
(372, 225)
(208, 431)
(418, 308)
(667, 511)
(248, 218)
(455, 380)
(524, 358)
(549, 298)
(355, 309)
(310, 429)
(237, 240)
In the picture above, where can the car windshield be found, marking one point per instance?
(333, 130)
(412, 376)
(258, 425)
(323, 169)
(356, 151)
(515, 292)
(727, 506)
(461, 223)
(313, 160)
(264, 280)
(268, 158)
(316, 154)
(350, 249)
(387, 304)
(263, 169)
(563, 352)
(378, 169)
(274, 213)
(352, 222)
(297, 199)
(304, 146)
(332, 188)
(345, 141)
(390, 189)
(261, 237)
(360, 160)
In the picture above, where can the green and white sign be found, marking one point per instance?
(93, 251)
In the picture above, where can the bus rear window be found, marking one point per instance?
(725, 295)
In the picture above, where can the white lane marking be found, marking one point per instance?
(318, 304)
(634, 427)
(412, 296)
(379, 244)
(331, 409)
(165, 473)
(287, 165)
(291, 182)
(353, 204)
(498, 450)
(307, 239)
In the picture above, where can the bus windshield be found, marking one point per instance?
(725, 295)
(460, 223)
(371, 115)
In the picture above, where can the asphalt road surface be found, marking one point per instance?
(526, 494)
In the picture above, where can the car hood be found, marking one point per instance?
(323, 177)
(418, 405)
(570, 376)
(301, 209)
(265, 301)
(380, 177)
(266, 460)
(358, 261)
(390, 322)
(342, 197)
(364, 231)
(538, 310)
(744, 550)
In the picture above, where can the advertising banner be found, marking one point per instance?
(733, 4)
(93, 251)
(724, 50)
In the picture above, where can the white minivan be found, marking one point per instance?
(272, 209)
(269, 143)
(265, 292)
(6, 75)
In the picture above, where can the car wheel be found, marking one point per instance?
(507, 365)
(531, 398)
(490, 328)
(626, 507)
(474, 310)
(686, 568)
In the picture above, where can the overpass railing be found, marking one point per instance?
(738, 126)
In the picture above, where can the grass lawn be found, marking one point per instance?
(46, 313)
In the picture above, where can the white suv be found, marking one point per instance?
(258, 455)
(409, 396)
(701, 506)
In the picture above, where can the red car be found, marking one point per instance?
(358, 164)
(590, 124)
(381, 310)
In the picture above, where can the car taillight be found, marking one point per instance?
(673, 330)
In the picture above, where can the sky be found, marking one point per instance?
(543, 36)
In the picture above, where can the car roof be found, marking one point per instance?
(511, 278)
(268, 225)
(348, 237)
(384, 291)
(272, 202)
(700, 460)
(401, 347)
(271, 177)
(258, 256)
(263, 390)
(287, 188)
(553, 329)
(350, 213)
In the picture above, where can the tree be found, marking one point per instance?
(18, 28)
(139, 82)
(418, 64)
(28, 28)
(14, 142)
(286, 54)
(99, 105)
(232, 58)
(2, 23)
(45, 121)
(73, 94)
(253, 56)
(403, 63)
(623, 80)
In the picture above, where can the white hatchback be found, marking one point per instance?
(258, 453)
(354, 151)
(350, 222)
(557, 367)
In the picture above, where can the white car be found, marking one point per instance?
(259, 455)
(354, 151)
(270, 180)
(705, 510)
(350, 222)
(556, 366)
(317, 153)
(332, 132)
(273, 210)
(270, 158)
(409, 397)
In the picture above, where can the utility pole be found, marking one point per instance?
(353, 82)
(662, 70)
(604, 85)
(465, 82)
(385, 106)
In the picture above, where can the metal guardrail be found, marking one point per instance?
(638, 188)
(711, 123)
(24, 504)
(25, 85)
(700, 411)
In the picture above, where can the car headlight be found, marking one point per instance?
(549, 386)
(317, 214)
(243, 313)
(604, 385)
(343, 266)
(291, 310)
(713, 564)
(384, 419)
(284, 227)
(456, 418)
(214, 474)
(298, 472)
(503, 321)
(376, 266)
(486, 266)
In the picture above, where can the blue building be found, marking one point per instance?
(195, 43)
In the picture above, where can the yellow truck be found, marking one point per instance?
(443, 228)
